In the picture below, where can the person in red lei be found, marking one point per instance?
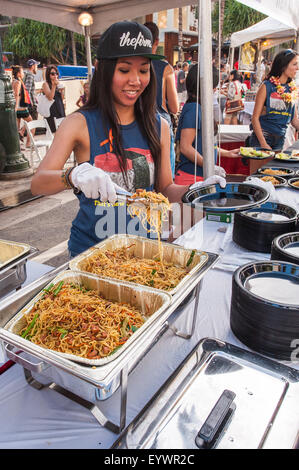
(275, 104)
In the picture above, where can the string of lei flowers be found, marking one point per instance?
(289, 97)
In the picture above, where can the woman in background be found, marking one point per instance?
(234, 92)
(22, 100)
(186, 134)
(275, 103)
(54, 91)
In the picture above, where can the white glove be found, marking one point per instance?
(94, 182)
(218, 170)
(267, 185)
(215, 179)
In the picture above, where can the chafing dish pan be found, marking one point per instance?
(146, 248)
(13, 258)
(11, 251)
(84, 383)
(150, 302)
(223, 397)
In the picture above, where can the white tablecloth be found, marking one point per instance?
(231, 133)
(45, 419)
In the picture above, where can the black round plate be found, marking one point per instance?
(290, 159)
(256, 157)
(282, 181)
(292, 181)
(286, 248)
(234, 197)
(289, 172)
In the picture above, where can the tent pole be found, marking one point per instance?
(259, 62)
(297, 42)
(88, 51)
(206, 87)
(232, 57)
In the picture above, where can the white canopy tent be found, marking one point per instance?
(286, 11)
(105, 12)
(64, 13)
(271, 29)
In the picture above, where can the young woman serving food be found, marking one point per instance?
(275, 104)
(118, 139)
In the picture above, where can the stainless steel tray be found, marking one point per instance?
(150, 302)
(263, 413)
(14, 273)
(11, 251)
(78, 381)
(146, 248)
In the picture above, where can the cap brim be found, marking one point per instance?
(148, 56)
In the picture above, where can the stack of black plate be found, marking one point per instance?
(255, 229)
(233, 198)
(265, 309)
(286, 248)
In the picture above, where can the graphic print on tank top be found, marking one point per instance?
(276, 102)
(140, 166)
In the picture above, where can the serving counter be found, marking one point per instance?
(42, 419)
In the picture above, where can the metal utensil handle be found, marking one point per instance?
(215, 422)
(24, 362)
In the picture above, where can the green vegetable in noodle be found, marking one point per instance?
(58, 289)
(191, 258)
(30, 326)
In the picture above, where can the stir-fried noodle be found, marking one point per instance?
(70, 319)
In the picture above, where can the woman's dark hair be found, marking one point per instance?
(280, 63)
(48, 72)
(235, 74)
(100, 97)
(15, 70)
(191, 82)
(194, 91)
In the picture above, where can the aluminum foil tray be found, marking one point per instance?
(11, 251)
(146, 248)
(151, 303)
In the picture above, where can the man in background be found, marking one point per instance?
(30, 85)
(167, 98)
(181, 87)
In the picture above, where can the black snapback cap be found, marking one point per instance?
(126, 39)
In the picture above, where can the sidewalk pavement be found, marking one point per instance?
(16, 191)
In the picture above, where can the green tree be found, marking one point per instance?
(49, 43)
(236, 17)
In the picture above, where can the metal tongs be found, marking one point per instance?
(127, 196)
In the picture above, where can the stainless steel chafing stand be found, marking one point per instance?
(220, 396)
(103, 376)
(14, 274)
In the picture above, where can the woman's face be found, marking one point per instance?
(292, 68)
(53, 74)
(131, 77)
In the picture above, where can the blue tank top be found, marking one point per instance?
(188, 121)
(159, 67)
(278, 113)
(98, 220)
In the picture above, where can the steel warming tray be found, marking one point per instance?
(146, 248)
(85, 384)
(13, 258)
(220, 396)
(150, 302)
(10, 251)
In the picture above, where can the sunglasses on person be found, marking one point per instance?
(54, 73)
(288, 52)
